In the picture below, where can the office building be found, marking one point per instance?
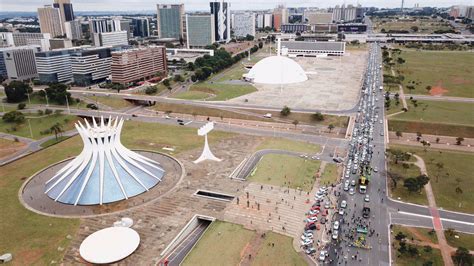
(268, 20)
(260, 18)
(73, 29)
(114, 38)
(59, 43)
(220, 12)
(91, 65)
(55, 66)
(244, 24)
(50, 21)
(18, 63)
(141, 27)
(125, 24)
(347, 13)
(317, 17)
(305, 48)
(65, 10)
(352, 28)
(294, 28)
(6, 39)
(104, 25)
(199, 30)
(27, 38)
(169, 21)
(137, 64)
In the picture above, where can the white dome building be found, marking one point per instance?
(276, 70)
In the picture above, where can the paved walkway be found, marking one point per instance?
(443, 244)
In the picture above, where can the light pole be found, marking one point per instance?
(29, 100)
(31, 131)
(46, 96)
(67, 104)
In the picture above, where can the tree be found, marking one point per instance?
(399, 134)
(17, 91)
(428, 88)
(249, 37)
(166, 82)
(14, 117)
(48, 111)
(92, 106)
(285, 111)
(459, 140)
(57, 129)
(437, 140)
(428, 263)
(21, 106)
(400, 61)
(462, 257)
(190, 66)
(427, 249)
(411, 184)
(317, 116)
(422, 180)
(178, 78)
(260, 45)
(295, 122)
(57, 92)
(414, 28)
(331, 127)
(151, 90)
(400, 236)
(412, 251)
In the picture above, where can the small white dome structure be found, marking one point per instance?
(276, 70)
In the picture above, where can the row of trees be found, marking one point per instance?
(18, 91)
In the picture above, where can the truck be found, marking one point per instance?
(366, 212)
(363, 183)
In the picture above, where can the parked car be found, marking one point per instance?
(335, 234)
(310, 250)
(322, 255)
(343, 204)
(366, 198)
(336, 225)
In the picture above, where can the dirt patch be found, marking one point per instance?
(438, 90)
(28, 257)
(460, 81)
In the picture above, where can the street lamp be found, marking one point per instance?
(46, 96)
(67, 104)
(29, 125)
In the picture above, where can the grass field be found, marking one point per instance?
(8, 147)
(423, 257)
(438, 112)
(426, 26)
(282, 253)
(53, 141)
(338, 121)
(285, 170)
(193, 95)
(454, 76)
(289, 145)
(34, 239)
(223, 91)
(38, 124)
(330, 174)
(113, 102)
(400, 192)
(464, 240)
(456, 171)
(431, 128)
(221, 244)
(413, 232)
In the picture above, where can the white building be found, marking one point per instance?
(26, 38)
(268, 20)
(317, 17)
(220, 12)
(244, 24)
(18, 63)
(55, 66)
(6, 39)
(111, 38)
(260, 18)
(73, 29)
(91, 65)
(306, 48)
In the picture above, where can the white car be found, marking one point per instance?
(307, 235)
(351, 191)
(343, 204)
(306, 242)
(311, 219)
(336, 225)
(335, 234)
(341, 211)
(322, 255)
(367, 198)
(376, 170)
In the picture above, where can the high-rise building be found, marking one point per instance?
(200, 30)
(260, 19)
(346, 13)
(317, 17)
(125, 24)
(104, 25)
(55, 66)
(169, 21)
(31, 38)
(139, 63)
(268, 21)
(220, 12)
(114, 38)
(280, 16)
(6, 39)
(73, 29)
(60, 43)
(50, 21)
(244, 24)
(91, 65)
(18, 63)
(65, 10)
(141, 27)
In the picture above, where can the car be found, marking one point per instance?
(167, 117)
(381, 121)
(310, 250)
(366, 198)
(323, 220)
(180, 121)
(313, 212)
(322, 255)
(335, 234)
(346, 183)
(343, 204)
(341, 211)
(335, 226)
(311, 219)
(351, 191)
(310, 226)
(134, 115)
(306, 237)
(306, 242)
(353, 182)
(323, 189)
(308, 234)
(267, 115)
(366, 212)
(318, 197)
(327, 205)
(376, 170)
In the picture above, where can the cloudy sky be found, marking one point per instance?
(190, 5)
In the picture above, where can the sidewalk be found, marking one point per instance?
(445, 142)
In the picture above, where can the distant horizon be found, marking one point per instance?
(131, 6)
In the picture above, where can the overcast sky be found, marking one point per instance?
(190, 5)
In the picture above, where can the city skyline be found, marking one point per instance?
(197, 5)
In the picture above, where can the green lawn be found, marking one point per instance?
(330, 174)
(426, 26)
(110, 101)
(403, 259)
(399, 191)
(38, 124)
(221, 244)
(438, 112)
(285, 170)
(465, 240)
(53, 141)
(427, 234)
(223, 91)
(456, 171)
(34, 239)
(282, 253)
(450, 70)
(233, 73)
(192, 95)
(466, 131)
(289, 145)
(307, 118)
